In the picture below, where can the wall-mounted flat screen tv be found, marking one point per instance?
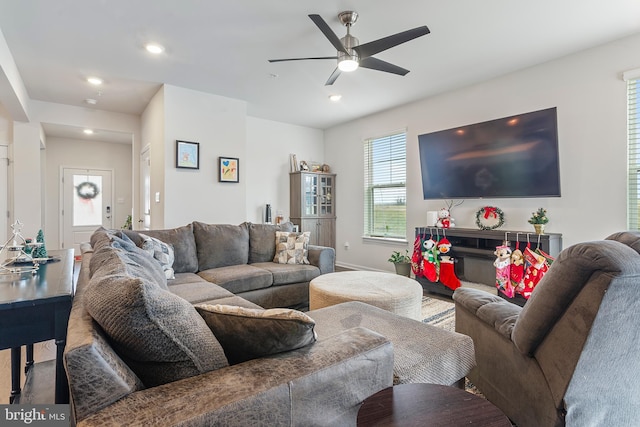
(515, 156)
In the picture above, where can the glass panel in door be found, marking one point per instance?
(87, 201)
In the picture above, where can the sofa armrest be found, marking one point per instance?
(491, 309)
(294, 388)
(322, 257)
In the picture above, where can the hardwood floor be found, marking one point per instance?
(42, 351)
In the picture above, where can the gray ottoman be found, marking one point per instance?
(422, 353)
(397, 294)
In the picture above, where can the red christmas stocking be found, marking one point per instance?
(448, 275)
(516, 274)
(416, 258)
(447, 272)
(536, 268)
(503, 270)
(429, 260)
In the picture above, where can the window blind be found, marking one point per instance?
(385, 195)
(633, 135)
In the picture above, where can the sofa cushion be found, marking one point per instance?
(233, 300)
(291, 247)
(183, 242)
(284, 274)
(247, 333)
(161, 252)
(261, 238)
(221, 245)
(159, 335)
(122, 256)
(238, 278)
(101, 237)
(201, 291)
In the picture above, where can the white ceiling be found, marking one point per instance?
(223, 47)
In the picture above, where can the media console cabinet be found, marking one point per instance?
(473, 251)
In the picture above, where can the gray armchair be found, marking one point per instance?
(570, 356)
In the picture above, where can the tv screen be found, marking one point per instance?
(515, 156)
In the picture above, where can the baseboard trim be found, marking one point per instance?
(359, 267)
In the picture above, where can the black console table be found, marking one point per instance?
(36, 308)
(473, 250)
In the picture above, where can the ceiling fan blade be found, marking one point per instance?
(376, 46)
(333, 77)
(303, 59)
(328, 33)
(380, 65)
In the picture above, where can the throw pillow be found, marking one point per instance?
(291, 247)
(250, 333)
(161, 251)
(159, 335)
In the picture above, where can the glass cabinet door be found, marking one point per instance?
(326, 197)
(311, 195)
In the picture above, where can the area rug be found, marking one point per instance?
(438, 313)
(439, 310)
(441, 313)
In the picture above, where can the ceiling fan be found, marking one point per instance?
(352, 54)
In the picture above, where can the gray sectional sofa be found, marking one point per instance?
(238, 259)
(139, 352)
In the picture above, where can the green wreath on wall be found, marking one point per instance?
(489, 218)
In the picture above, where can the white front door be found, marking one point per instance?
(87, 204)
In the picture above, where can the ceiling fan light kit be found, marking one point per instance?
(351, 54)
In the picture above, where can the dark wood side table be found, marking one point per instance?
(36, 308)
(429, 405)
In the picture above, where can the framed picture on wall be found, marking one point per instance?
(228, 169)
(187, 155)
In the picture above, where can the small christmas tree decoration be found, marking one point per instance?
(539, 217)
(40, 251)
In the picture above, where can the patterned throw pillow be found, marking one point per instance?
(161, 251)
(291, 247)
(250, 333)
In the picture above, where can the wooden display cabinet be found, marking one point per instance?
(312, 205)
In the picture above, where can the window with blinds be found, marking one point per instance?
(385, 195)
(633, 132)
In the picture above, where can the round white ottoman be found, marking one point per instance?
(397, 294)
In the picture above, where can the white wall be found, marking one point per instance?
(26, 191)
(6, 136)
(13, 94)
(219, 125)
(222, 128)
(590, 96)
(152, 134)
(266, 168)
(73, 153)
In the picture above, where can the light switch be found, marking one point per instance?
(157, 197)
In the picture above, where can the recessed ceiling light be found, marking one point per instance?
(335, 97)
(88, 131)
(96, 81)
(154, 48)
(90, 101)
